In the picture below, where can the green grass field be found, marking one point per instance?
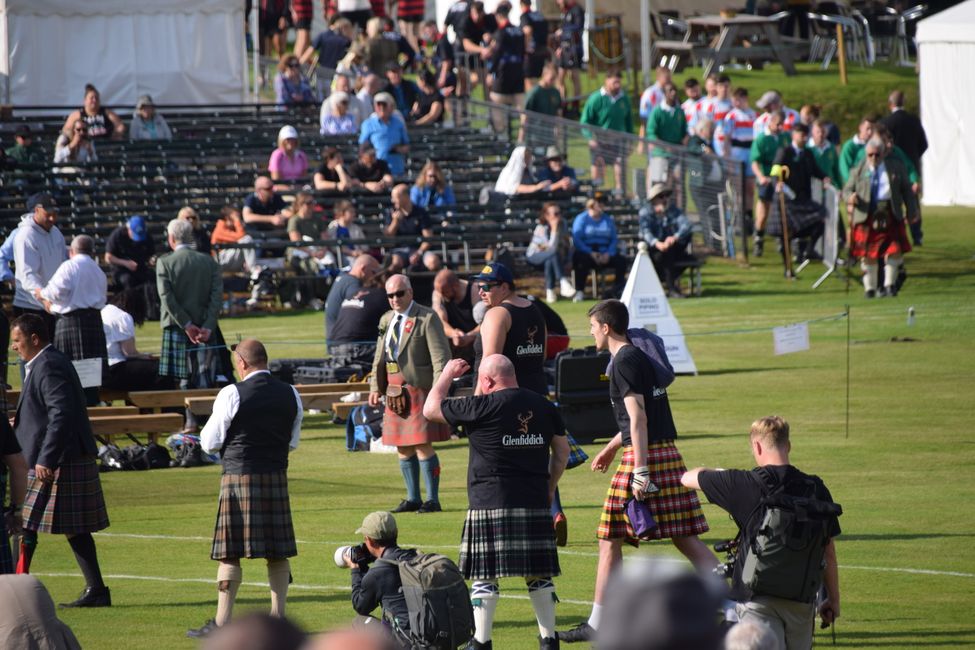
(904, 474)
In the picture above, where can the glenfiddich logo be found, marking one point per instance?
(525, 439)
(524, 419)
(530, 348)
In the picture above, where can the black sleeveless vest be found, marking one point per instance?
(260, 433)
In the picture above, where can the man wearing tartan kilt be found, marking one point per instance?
(14, 467)
(254, 424)
(64, 494)
(511, 481)
(651, 468)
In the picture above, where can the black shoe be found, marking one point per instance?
(889, 292)
(429, 506)
(408, 506)
(476, 645)
(581, 632)
(548, 643)
(869, 293)
(203, 632)
(901, 278)
(91, 597)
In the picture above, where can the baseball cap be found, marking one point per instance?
(144, 100)
(378, 525)
(288, 132)
(137, 225)
(43, 199)
(384, 98)
(767, 98)
(552, 152)
(495, 272)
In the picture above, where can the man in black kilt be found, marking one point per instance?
(64, 494)
(511, 480)
(254, 424)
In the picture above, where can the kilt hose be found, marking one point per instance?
(508, 542)
(173, 358)
(79, 335)
(254, 518)
(415, 429)
(675, 508)
(71, 504)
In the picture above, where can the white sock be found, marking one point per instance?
(891, 269)
(542, 594)
(278, 576)
(484, 598)
(870, 274)
(597, 612)
(232, 575)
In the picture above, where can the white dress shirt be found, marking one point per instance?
(119, 326)
(37, 255)
(883, 189)
(29, 364)
(225, 407)
(78, 283)
(402, 316)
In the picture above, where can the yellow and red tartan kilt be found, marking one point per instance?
(415, 429)
(675, 508)
(873, 244)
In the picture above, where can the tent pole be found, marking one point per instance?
(645, 41)
(590, 24)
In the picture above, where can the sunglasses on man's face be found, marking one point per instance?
(396, 294)
(873, 155)
(486, 287)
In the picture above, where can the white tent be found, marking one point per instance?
(178, 51)
(946, 48)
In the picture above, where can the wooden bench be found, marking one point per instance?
(318, 399)
(104, 394)
(152, 425)
(675, 55)
(102, 411)
(343, 409)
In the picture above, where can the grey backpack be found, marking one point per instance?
(785, 558)
(441, 615)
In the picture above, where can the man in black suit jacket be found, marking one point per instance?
(64, 494)
(908, 134)
(805, 215)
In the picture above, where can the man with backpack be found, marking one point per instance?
(787, 521)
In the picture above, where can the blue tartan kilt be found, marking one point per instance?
(509, 542)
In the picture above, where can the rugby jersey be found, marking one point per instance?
(715, 110)
(650, 99)
(791, 117)
(737, 129)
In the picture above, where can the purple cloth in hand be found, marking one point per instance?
(652, 346)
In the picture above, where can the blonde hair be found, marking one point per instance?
(421, 179)
(185, 212)
(771, 431)
(374, 27)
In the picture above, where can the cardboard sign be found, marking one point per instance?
(791, 338)
(89, 372)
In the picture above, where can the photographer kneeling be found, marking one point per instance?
(380, 583)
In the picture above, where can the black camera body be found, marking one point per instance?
(359, 554)
(727, 568)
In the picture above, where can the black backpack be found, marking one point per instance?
(441, 615)
(785, 558)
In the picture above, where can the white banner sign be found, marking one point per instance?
(89, 372)
(791, 338)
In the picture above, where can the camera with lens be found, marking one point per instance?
(359, 555)
(727, 568)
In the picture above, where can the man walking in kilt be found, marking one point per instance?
(254, 424)
(64, 494)
(511, 482)
(651, 468)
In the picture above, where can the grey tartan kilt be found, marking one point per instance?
(507, 542)
(254, 518)
(79, 335)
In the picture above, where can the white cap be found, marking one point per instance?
(287, 132)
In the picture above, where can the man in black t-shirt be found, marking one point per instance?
(264, 210)
(475, 38)
(651, 467)
(738, 492)
(352, 338)
(506, 63)
(511, 480)
(130, 252)
(369, 171)
(535, 28)
(406, 219)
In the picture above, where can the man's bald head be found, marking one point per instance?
(398, 282)
(445, 282)
(496, 372)
(364, 267)
(252, 352)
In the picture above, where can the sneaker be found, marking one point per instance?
(550, 296)
(561, 529)
(579, 297)
(91, 597)
(566, 288)
(204, 631)
(408, 506)
(429, 506)
(581, 632)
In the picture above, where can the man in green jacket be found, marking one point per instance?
(668, 124)
(190, 291)
(608, 108)
(764, 148)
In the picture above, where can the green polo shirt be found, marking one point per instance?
(667, 126)
(547, 101)
(764, 148)
(827, 161)
(600, 110)
(848, 157)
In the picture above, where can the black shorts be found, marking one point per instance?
(570, 57)
(303, 23)
(358, 18)
(534, 64)
(766, 192)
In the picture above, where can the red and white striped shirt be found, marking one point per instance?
(791, 117)
(737, 127)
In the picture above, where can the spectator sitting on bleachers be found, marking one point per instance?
(369, 171)
(378, 51)
(406, 219)
(291, 89)
(339, 120)
(387, 134)
(128, 369)
(77, 147)
(130, 252)
(201, 238)
(263, 209)
(288, 162)
(404, 92)
(518, 177)
(431, 189)
(596, 247)
(147, 124)
(343, 226)
(25, 151)
(341, 83)
(667, 233)
(428, 108)
(305, 227)
(331, 175)
(100, 121)
(549, 250)
(229, 229)
(371, 84)
(561, 176)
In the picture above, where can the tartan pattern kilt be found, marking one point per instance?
(254, 518)
(416, 429)
(6, 557)
(174, 357)
(801, 216)
(675, 508)
(71, 504)
(79, 335)
(507, 542)
(872, 244)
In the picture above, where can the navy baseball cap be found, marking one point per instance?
(495, 272)
(42, 199)
(137, 226)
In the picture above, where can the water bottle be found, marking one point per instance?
(910, 316)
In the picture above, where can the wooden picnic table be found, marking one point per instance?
(729, 38)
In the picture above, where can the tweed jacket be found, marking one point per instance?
(901, 194)
(190, 289)
(423, 351)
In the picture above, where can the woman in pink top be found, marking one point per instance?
(288, 162)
